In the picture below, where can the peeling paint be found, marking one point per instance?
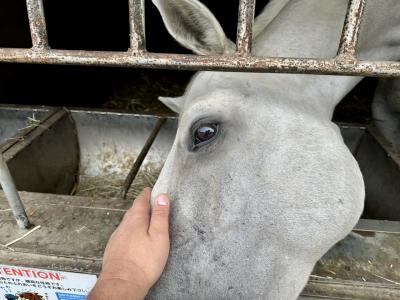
(245, 27)
(37, 24)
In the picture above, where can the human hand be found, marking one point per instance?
(137, 251)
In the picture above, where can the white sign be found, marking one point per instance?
(17, 283)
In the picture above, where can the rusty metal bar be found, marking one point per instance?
(37, 24)
(197, 62)
(344, 64)
(351, 29)
(137, 25)
(8, 185)
(245, 26)
(142, 155)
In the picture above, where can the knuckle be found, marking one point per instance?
(160, 212)
(159, 233)
(136, 213)
(145, 193)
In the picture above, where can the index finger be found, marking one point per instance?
(140, 210)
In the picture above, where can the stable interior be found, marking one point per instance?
(70, 165)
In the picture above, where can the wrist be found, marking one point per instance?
(117, 288)
(125, 271)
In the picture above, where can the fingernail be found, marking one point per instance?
(162, 200)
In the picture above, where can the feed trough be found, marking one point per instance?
(71, 165)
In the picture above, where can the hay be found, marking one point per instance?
(140, 94)
(109, 186)
(32, 122)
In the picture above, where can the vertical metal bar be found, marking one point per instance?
(137, 25)
(10, 190)
(245, 27)
(351, 28)
(37, 23)
(142, 155)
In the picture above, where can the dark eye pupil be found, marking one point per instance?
(205, 132)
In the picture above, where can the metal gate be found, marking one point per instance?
(345, 63)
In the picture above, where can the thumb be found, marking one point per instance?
(159, 216)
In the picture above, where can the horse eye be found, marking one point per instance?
(205, 133)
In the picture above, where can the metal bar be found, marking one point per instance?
(10, 190)
(245, 26)
(385, 144)
(198, 62)
(137, 25)
(351, 29)
(373, 226)
(37, 24)
(142, 155)
(330, 289)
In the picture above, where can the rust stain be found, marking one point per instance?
(137, 26)
(245, 27)
(351, 30)
(37, 24)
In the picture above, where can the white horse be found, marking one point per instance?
(261, 182)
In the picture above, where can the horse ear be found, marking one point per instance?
(194, 26)
(174, 104)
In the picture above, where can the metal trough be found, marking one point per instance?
(62, 150)
(72, 165)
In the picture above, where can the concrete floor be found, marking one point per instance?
(74, 231)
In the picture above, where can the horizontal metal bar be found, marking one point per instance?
(369, 225)
(245, 26)
(351, 29)
(37, 24)
(195, 62)
(137, 25)
(330, 289)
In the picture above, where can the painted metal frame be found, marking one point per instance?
(345, 63)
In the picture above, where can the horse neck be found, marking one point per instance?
(316, 95)
(308, 29)
(303, 29)
(313, 94)
(312, 29)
